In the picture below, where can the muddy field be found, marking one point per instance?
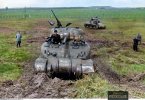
(32, 85)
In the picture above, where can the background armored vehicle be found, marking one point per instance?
(68, 57)
(94, 23)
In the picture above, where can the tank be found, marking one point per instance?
(94, 23)
(69, 58)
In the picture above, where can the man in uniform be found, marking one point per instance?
(18, 39)
(135, 44)
(55, 38)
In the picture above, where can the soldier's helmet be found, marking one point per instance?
(55, 31)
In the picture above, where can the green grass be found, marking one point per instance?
(17, 24)
(9, 71)
(127, 62)
(75, 13)
(11, 57)
(92, 86)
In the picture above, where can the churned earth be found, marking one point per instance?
(32, 85)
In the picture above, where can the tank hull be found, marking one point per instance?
(64, 66)
(65, 59)
(93, 26)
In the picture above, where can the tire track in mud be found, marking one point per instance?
(129, 84)
(32, 85)
(105, 71)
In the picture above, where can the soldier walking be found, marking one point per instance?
(18, 39)
(135, 44)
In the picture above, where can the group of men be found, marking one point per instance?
(55, 39)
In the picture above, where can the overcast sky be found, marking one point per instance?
(70, 3)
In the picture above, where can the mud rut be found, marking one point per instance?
(125, 83)
(31, 85)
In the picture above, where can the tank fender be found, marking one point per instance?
(40, 64)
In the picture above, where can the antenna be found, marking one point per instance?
(58, 22)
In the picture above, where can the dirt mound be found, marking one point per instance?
(7, 83)
(32, 85)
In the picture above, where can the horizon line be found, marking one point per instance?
(67, 7)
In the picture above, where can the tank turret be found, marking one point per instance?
(94, 23)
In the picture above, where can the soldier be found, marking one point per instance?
(139, 38)
(18, 39)
(55, 38)
(135, 44)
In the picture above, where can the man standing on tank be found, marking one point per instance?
(18, 39)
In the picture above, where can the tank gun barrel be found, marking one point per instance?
(58, 22)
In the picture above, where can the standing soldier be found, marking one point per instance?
(18, 39)
(139, 37)
(135, 44)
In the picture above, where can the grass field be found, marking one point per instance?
(79, 13)
(12, 58)
(122, 26)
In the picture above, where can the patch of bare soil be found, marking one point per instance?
(96, 43)
(105, 71)
(115, 32)
(6, 30)
(41, 25)
(32, 85)
(37, 39)
(124, 83)
(135, 81)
